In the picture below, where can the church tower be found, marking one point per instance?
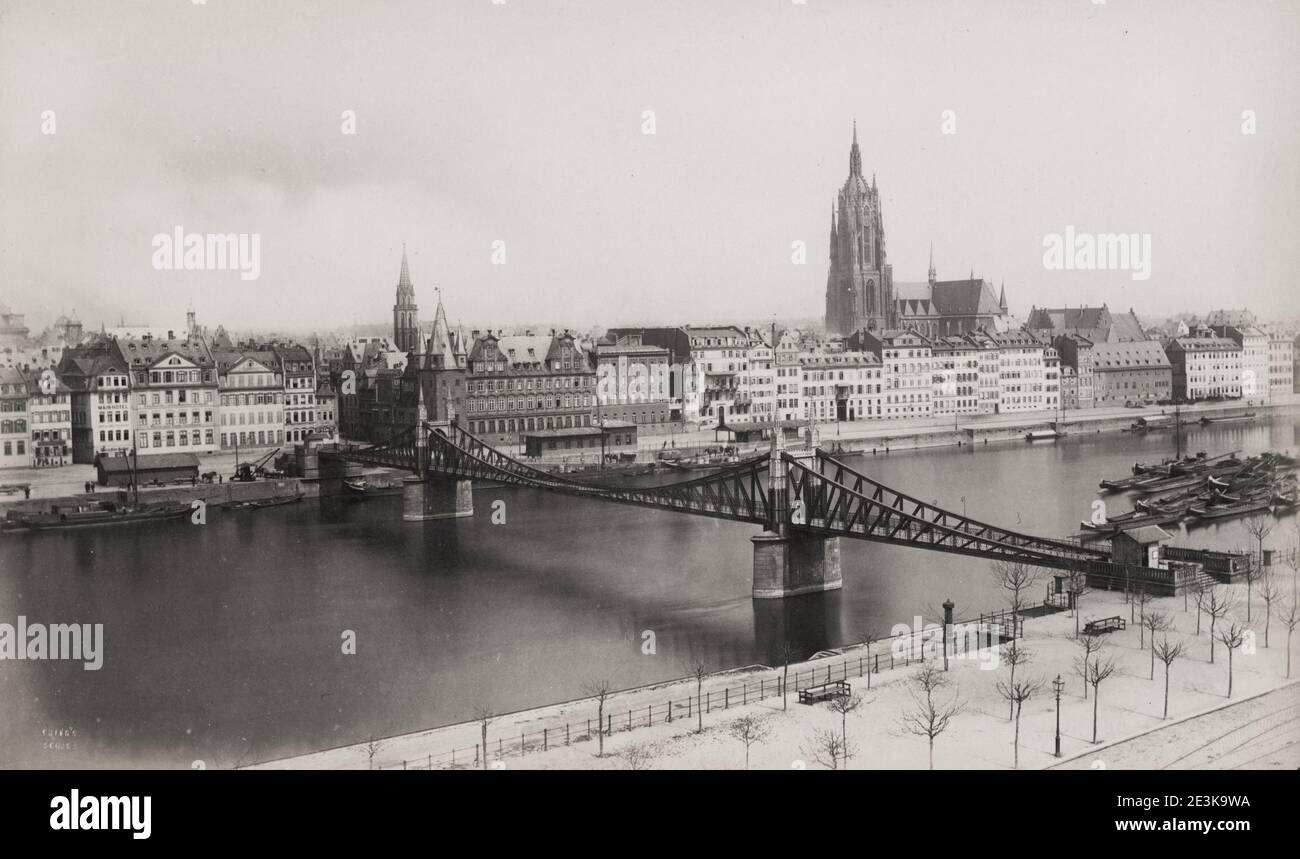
(860, 282)
(406, 316)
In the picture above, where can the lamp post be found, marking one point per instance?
(1058, 685)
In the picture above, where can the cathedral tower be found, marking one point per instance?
(860, 282)
(406, 316)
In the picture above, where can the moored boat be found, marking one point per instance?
(102, 513)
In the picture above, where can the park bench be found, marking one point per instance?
(824, 692)
(1104, 625)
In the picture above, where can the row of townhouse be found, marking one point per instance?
(161, 395)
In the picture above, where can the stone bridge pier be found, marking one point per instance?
(430, 497)
(788, 562)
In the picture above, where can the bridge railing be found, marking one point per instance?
(896, 653)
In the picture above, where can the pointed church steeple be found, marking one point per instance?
(406, 315)
(1002, 300)
(855, 154)
(932, 276)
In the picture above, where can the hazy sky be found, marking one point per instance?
(523, 122)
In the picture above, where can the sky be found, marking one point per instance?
(506, 145)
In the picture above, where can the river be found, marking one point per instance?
(224, 642)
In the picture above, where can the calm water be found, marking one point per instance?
(223, 642)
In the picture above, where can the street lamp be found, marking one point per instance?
(1058, 686)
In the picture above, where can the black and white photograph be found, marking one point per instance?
(596, 386)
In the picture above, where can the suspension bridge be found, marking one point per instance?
(804, 500)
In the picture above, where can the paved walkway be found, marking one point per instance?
(1259, 733)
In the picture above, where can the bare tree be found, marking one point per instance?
(869, 638)
(1016, 578)
(1232, 634)
(1138, 604)
(1018, 692)
(1153, 622)
(930, 716)
(1167, 651)
(484, 717)
(1201, 595)
(749, 730)
(699, 669)
(1077, 582)
(787, 653)
(1270, 592)
(1290, 620)
(828, 749)
(1098, 672)
(844, 705)
(1217, 605)
(1259, 527)
(1015, 655)
(373, 747)
(1091, 644)
(638, 756)
(599, 689)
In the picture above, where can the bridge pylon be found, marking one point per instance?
(428, 496)
(787, 561)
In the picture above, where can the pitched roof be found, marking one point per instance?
(1129, 355)
(969, 297)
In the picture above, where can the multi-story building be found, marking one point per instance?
(633, 382)
(1281, 364)
(908, 363)
(789, 373)
(100, 381)
(759, 381)
(252, 394)
(841, 386)
(1076, 354)
(956, 363)
(1255, 359)
(13, 419)
(721, 357)
(1131, 372)
(174, 392)
(518, 383)
(300, 415)
(49, 410)
(1021, 371)
(1204, 366)
(1069, 388)
(989, 370)
(1051, 379)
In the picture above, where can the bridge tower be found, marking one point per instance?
(427, 496)
(788, 561)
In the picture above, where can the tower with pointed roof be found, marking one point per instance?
(860, 281)
(406, 315)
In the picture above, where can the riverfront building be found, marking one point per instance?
(173, 388)
(1204, 365)
(521, 383)
(1076, 353)
(633, 383)
(841, 386)
(1255, 359)
(49, 413)
(1022, 372)
(1137, 372)
(907, 361)
(99, 379)
(251, 390)
(1281, 364)
(13, 419)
